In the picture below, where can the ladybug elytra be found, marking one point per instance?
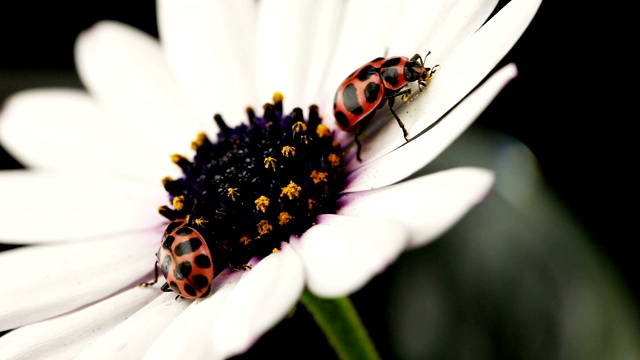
(185, 261)
(366, 89)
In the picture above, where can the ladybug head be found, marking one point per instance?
(415, 71)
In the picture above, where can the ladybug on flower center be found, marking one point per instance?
(185, 260)
(366, 89)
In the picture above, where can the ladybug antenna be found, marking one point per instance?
(424, 61)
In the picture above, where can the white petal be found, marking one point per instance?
(65, 336)
(126, 71)
(190, 333)
(292, 45)
(210, 46)
(50, 206)
(342, 253)
(428, 205)
(65, 129)
(44, 281)
(402, 162)
(132, 338)
(262, 298)
(450, 26)
(326, 24)
(457, 75)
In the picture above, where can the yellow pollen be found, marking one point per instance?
(166, 180)
(201, 221)
(232, 193)
(284, 218)
(175, 158)
(261, 203)
(311, 203)
(264, 227)
(299, 127)
(275, 250)
(277, 97)
(270, 161)
(288, 151)
(245, 240)
(334, 160)
(318, 176)
(195, 144)
(323, 130)
(178, 202)
(292, 190)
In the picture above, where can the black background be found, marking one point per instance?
(560, 105)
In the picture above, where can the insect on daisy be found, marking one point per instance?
(376, 83)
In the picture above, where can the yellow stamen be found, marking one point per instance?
(178, 202)
(288, 151)
(277, 97)
(323, 130)
(245, 240)
(318, 176)
(299, 127)
(195, 144)
(262, 203)
(284, 218)
(232, 193)
(270, 162)
(292, 190)
(334, 160)
(264, 227)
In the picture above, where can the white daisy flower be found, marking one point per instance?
(277, 195)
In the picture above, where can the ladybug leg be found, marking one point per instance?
(155, 277)
(363, 125)
(391, 101)
(166, 288)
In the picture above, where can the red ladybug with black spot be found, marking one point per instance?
(373, 85)
(185, 261)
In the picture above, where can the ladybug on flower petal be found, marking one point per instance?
(366, 89)
(185, 261)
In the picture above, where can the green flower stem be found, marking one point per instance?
(341, 325)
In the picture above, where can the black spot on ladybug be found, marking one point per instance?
(391, 62)
(182, 270)
(366, 72)
(166, 263)
(200, 281)
(187, 247)
(185, 230)
(350, 100)
(390, 75)
(377, 59)
(189, 290)
(202, 261)
(175, 287)
(371, 92)
(173, 226)
(342, 120)
(168, 241)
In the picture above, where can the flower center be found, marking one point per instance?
(258, 184)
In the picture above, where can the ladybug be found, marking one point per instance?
(366, 89)
(185, 260)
